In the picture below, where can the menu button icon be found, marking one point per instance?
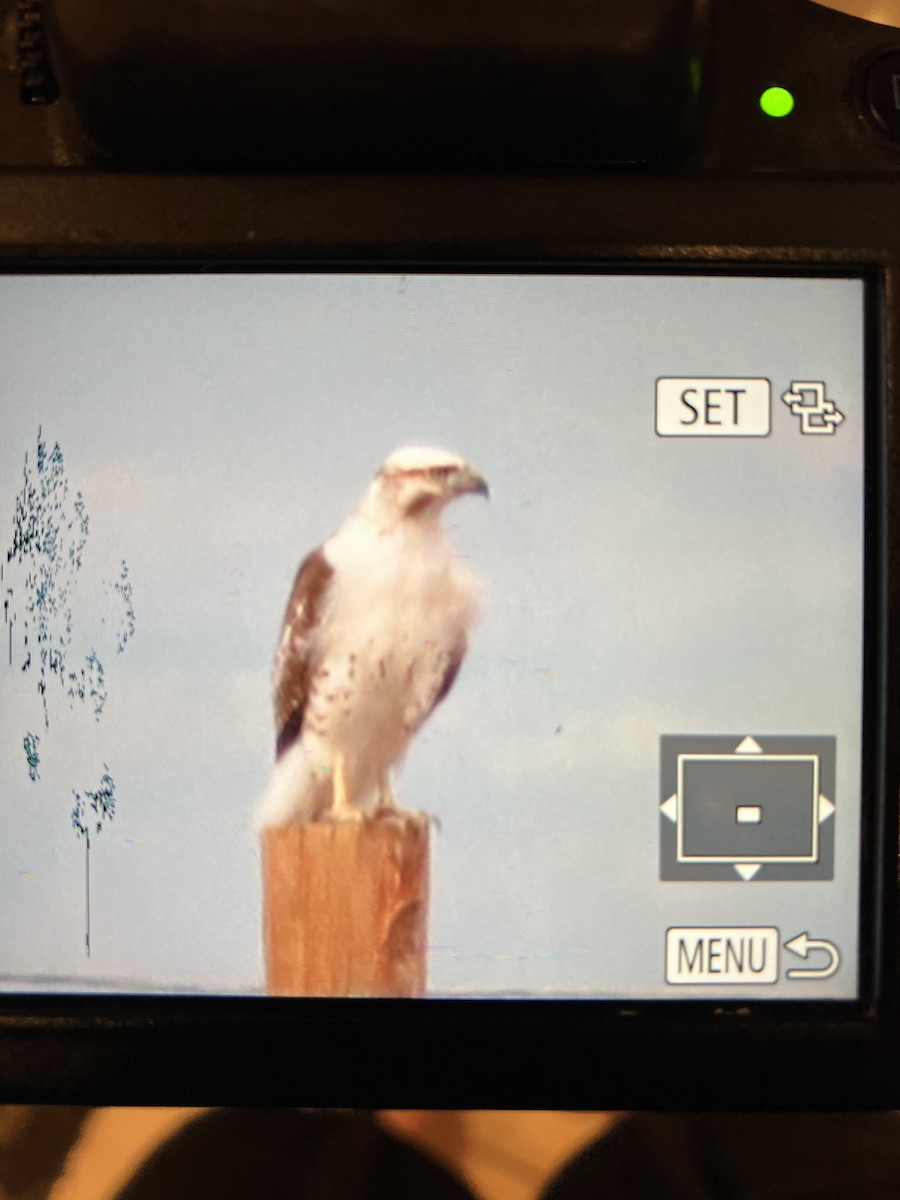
(722, 955)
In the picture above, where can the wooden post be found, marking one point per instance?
(345, 907)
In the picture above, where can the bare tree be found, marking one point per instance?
(40, 577)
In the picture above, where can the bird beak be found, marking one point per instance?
(467, 482)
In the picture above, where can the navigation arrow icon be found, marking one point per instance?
(749, 746)
(669, 808)
(826, 808)
(747, 870)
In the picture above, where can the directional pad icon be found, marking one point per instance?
(747, 807)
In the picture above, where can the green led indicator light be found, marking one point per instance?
(776, 102)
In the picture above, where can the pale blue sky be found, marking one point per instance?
(219, 426)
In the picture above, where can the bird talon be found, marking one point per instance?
(405, 816)
(346, 816)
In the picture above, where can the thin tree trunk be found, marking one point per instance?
(87, 894)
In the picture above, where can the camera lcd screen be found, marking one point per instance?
(628, 698)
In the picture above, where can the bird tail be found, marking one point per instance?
(295, 794)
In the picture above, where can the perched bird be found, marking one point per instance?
(374, 634)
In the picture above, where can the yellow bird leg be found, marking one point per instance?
(341, 808)
(386, 797)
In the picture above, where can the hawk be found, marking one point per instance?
(375, 632)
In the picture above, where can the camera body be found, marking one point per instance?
(662, 165)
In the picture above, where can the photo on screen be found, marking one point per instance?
(617, 664)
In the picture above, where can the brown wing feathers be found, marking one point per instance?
(295, 660)
(454, 662)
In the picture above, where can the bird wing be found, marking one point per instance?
(299, 649)
(448, 669)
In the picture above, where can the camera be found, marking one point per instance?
(583, 797)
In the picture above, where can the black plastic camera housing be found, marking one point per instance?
(233, 137)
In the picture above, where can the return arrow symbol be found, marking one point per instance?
(801, 946)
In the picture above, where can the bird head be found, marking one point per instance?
(415, 481)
